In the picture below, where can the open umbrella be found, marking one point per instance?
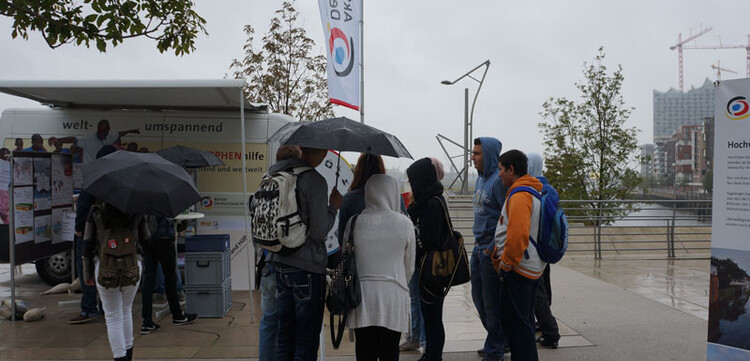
(190, 157)
(341, 134)
(142, 183)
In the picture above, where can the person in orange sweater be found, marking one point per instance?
(515, 258)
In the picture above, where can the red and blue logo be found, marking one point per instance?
(737, 108)
(207, 202)
(342, 52)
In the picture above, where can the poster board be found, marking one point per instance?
(729, 309)
(42, 196)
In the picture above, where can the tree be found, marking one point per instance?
(284, 72)
(172, 23)
(588, 150)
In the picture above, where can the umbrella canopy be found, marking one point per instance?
(187, 157)
(341, 134)
(143, 183)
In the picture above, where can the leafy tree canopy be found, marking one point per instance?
(171, 23)
(285, 72)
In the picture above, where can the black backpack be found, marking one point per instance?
(345, 293)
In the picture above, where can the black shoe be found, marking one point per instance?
(481, 352)
(186, 319)
(149, 327)
(129, 354)
(546, 342)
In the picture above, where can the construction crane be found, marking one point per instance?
(679, 48)
(719, 69)
(722, 46)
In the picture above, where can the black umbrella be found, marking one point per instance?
(190, 157)
(142, 183)
(341, 134)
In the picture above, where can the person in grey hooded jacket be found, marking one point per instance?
(301, 275)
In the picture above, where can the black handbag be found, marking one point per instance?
(445, 266)
(344, 293)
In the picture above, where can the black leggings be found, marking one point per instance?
(376, 343)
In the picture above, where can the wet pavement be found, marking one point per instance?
(612, 309)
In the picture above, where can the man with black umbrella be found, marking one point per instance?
(304, 270)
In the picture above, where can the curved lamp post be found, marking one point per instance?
(469, 119)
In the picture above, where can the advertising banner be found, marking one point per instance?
(341, 33)
(729, 309)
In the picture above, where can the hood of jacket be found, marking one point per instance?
(527, 181)
(535, 164)
(381, 194)
(423, 179)
(491, 148)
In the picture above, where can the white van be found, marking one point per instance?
(215, 131)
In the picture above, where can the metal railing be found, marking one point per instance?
(671, 228)
(668, 226)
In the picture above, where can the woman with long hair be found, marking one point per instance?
(112, 260)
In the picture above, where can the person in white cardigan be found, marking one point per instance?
(384, 247)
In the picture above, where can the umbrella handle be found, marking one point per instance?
(338, 168)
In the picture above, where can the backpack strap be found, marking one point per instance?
(299, 170)
(526, 189)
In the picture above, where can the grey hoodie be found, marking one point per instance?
(315, 212)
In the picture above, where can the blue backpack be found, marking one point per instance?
(552, 239)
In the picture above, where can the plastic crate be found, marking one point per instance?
(207, 243)
(207, 268)
(210, 301)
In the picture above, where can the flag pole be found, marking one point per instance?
(362, 62)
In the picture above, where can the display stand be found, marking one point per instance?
(39, 194)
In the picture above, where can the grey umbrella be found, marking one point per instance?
(142, 183)
(341, 134)
(190, 157)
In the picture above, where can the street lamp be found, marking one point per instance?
(469, 119)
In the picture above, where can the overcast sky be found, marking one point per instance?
(537, 50)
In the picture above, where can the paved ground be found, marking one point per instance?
(614, 309)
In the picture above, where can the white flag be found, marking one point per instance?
(341, 30)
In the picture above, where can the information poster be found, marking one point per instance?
(23, 171)
(729, 309)
(61, 179)
(23, 214)
(42, 185)
(61, 230)
(42, 228)
(5, 177)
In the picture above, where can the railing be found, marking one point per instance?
(671, 228)
(649, 226)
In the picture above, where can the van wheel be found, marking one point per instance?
(55, 269)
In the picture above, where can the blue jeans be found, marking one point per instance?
(517, 312)
(269, 323)
(88, 299)
(300, 296)
(486, 292)
(417, 322)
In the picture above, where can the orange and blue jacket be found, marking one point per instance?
(519, 220)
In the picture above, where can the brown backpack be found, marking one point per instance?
(117, 251)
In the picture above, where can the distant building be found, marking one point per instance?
(707, 146)
(674, 108)
(647, 152)
(687, 142)
(663, 157)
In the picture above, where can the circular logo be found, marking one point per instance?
(112, 244)
(341, 52)
(207, 202)
(737, 108)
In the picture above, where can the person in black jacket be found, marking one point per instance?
(428, 215)
(89, 309)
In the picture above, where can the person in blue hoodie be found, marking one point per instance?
(489, 196)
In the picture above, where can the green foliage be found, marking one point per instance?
(728, 270)
(284, 72)
(171, 23)
(588, 150)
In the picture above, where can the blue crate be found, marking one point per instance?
(207, 243)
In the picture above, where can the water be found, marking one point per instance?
(656, 215)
